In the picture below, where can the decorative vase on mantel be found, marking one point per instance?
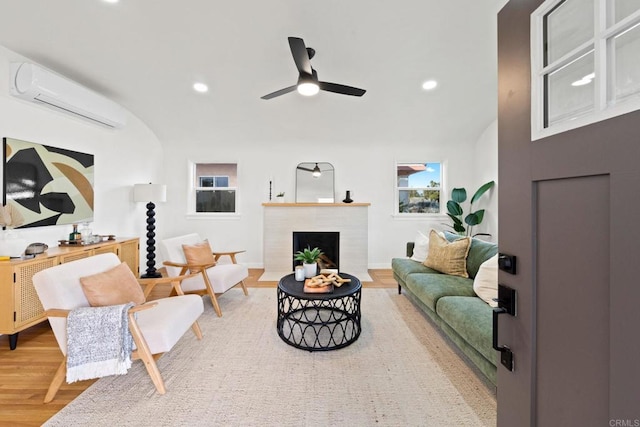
(310, 270)
(348, 199)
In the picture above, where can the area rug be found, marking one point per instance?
(400, 372)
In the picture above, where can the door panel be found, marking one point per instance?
(569, 209)
(572, 301)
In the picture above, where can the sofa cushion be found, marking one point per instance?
(472, 319)
(402, 267)
(485, 284)
(429, 288)
(448, 257)
(421, 246)
(479, 252)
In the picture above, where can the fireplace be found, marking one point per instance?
(327, 241)
(282, 219)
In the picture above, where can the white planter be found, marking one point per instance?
(279, 199)
(310, 270)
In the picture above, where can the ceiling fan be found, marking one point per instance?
(316, 171)
(308, 83)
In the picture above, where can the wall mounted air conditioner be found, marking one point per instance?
(39, 85)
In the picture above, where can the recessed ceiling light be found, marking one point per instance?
(429, 84)
(200, 87)
(111, 1)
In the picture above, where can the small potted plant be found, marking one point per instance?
(280, 197)
(309, 258)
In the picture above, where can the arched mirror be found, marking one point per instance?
(315, 183)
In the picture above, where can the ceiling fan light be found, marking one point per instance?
(308, 89)
(316, 172)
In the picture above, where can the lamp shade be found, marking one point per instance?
(149, 193)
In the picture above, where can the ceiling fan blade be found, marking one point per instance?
(304, 169)
(300, 55)
(280, 92)
(341, 89)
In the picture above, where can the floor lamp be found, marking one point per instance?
(150, 193)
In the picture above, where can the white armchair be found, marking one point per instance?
(156, 326)
(217, 277)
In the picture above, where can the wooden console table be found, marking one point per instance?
(20, 306)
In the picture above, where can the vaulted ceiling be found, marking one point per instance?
(146, 55)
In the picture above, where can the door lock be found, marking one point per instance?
(506, 304)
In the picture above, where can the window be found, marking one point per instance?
(418, 188)
(584, 63)
(213, 181)
(214, 187)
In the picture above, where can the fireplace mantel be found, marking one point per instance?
(351, 220)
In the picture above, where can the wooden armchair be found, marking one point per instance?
(155, 326)
(216, 274)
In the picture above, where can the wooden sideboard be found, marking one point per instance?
(20, 306)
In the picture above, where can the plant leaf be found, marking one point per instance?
(459, 195)
(482, 190)
(474, 218)
(454, 208)
(455, 219)
(459, 228)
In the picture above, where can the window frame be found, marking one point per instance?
(192, 190)
(603, 108)
(213, 179)
(418, 215)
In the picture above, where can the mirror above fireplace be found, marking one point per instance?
(315, 183)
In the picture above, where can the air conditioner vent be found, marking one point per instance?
(41, 86)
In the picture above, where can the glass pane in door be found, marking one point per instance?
(624, 54)
(624, 8)
(567, 26)
(570, 90)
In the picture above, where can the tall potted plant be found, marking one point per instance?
(455, 211)
(309, 258)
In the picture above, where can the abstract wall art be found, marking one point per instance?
(47, 185)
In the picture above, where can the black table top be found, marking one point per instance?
(291, 286)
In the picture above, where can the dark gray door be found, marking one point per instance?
(569, 209)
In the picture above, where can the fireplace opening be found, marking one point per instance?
(327, 241)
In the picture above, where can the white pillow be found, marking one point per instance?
(421, 247)
(485, 285)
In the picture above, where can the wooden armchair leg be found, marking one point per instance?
(244, 288)
(196, 330)
(212, 294)
(145, 355)
(214, 302)
(56, 382)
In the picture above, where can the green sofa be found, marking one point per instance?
(452, 304)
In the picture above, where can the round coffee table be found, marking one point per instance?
(318, 322)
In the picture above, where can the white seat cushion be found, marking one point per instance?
(222, 278)
(162, 326)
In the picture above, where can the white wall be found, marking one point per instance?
(122, 158)
(366, 169)
(486, 169)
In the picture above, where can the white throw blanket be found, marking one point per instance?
(98, 342)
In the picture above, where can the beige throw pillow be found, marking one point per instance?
(421, 247)
(448, 257)
(485, 285)
(112, 287)
(199, 254)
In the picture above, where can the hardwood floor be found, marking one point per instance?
(26, 372)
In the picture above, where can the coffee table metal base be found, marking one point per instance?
(319, 324)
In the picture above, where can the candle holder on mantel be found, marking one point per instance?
(348, 199)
